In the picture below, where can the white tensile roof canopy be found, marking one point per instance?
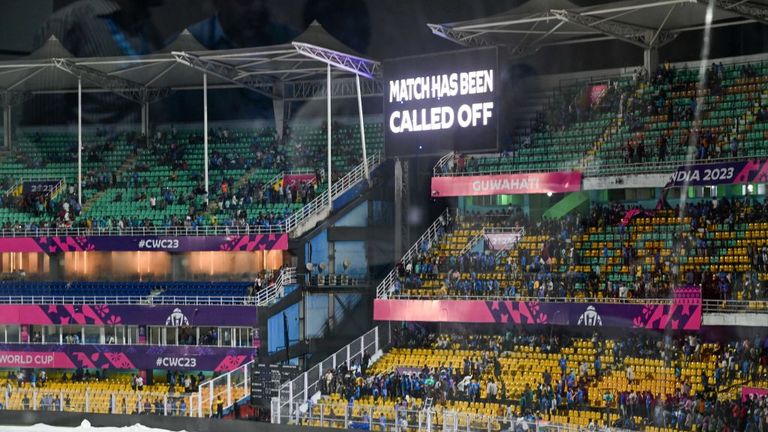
(647, 24)
(292, 71)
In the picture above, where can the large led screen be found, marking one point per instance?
(444, 102)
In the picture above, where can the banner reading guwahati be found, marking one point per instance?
(506, 184)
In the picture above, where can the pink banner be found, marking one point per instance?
(682, 312)
(293, 179)
(596, 92)
(95, 243)
(506, 184)
(24, 359)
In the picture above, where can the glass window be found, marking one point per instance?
(51, 334)
(187, 336)
(72, 334)
(93, 334)
(12, 333)
(156, 335)
(132, 335)
(209, 336)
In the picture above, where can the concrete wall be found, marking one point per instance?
(735, 319)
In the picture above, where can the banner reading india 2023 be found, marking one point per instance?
(738, 172)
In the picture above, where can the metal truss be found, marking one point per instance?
(260, 84)
(639, 36)
(461, 37)
(341, 87)
(747, 9)
(128, 89)
(357, 65)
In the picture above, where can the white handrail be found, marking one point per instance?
(131, 300)
(223, 385)
(277, 289)
(430, 235)
(303, 387)
(320, 203)
(655, 167)
(144, 231)
(438, 169)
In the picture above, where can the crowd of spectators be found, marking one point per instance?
(172, 404)
(231, 202)
(659, 101)
(739, 361)
(557, 268)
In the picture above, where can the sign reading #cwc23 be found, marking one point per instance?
(444, 102)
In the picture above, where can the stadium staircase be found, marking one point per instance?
(320, 208)
(431, 236)
(121, 171)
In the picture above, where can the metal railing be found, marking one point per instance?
(232, 387)
(276, 290)
(430, 236)
(305, 386)
(132, 300)
(395, 418)
(94, 400)
(19, 183)
(593, 170)
(320, 203)
(143, 231)
(708, 305)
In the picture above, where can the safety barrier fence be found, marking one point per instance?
(229, 388)
(385, 418)
(595, 169)
(264, 297)
(708, 305)
(276, 290)
(96, 401)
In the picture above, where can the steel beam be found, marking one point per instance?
(130, 90)
(461, 37)
(258, 83)
(350, 63)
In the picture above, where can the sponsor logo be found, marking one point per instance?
(177, 319)
(185, 362)
(158, 244)
(590, 317)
